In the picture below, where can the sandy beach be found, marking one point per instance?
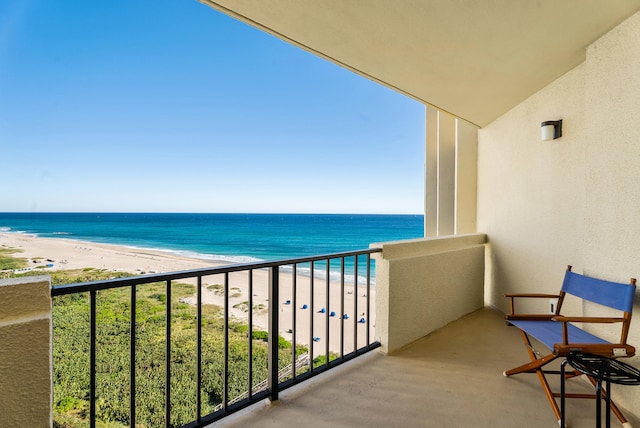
(61, 253)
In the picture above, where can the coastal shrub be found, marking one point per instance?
(240, 328)
(321, 360)
(260, 335)
(283, 343)
(10, 262)
(160, 296)
(218, 289)
(59, 277)
(264, 336)
(68, 404)
(243, 306)
(71, 355)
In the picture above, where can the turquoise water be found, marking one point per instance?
(226, 237)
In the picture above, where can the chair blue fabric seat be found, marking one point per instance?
(550, 332)
(541, 327)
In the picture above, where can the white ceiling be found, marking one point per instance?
(473, 58)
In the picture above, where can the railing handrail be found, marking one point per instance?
(157, 277)
(275, 378)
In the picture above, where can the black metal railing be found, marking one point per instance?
(339, 317)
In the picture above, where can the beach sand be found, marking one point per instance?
(64, 253)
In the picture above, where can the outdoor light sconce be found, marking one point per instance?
(551, 129)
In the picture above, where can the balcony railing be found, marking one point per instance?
(332, 294)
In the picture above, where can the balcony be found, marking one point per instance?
(440, 361)
(450, 378)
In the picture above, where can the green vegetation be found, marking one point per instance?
(71, 351)
(244, 306)
(71, 354)
(10, 262)
(321, 360)
(216, 288)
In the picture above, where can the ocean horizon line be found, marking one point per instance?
(319, 270)
(218, 213)
(223, 237)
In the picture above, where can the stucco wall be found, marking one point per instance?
(575, 200)
(25, 352)
(424, 284)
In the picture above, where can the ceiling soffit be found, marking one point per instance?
(474, 59)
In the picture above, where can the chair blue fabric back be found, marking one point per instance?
(611, 294)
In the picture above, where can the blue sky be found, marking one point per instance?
(171, 106)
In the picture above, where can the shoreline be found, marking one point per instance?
(65, 254)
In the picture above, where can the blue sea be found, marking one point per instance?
(233, 238)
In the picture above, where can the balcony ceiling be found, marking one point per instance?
(475, 59)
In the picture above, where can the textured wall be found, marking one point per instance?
(531, 193)
(575, 200)
(424, 284)
(25, 352)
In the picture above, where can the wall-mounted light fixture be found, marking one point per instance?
(551, 129)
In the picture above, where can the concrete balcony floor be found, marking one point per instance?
(451, 378)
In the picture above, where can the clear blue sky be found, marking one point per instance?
(169, 105)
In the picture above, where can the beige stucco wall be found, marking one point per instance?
(424, 284)
(25, 352)
(575, 200)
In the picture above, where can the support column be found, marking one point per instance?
(451, 156)
(466, 177)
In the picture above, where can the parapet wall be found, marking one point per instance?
(25, 352)
(424, 284)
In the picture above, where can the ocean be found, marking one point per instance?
(234, 238)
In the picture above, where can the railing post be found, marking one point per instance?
(132, 359)
(273, 332)
(92, 358)
(167, 390)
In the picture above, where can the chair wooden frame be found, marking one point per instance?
(561, 336)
